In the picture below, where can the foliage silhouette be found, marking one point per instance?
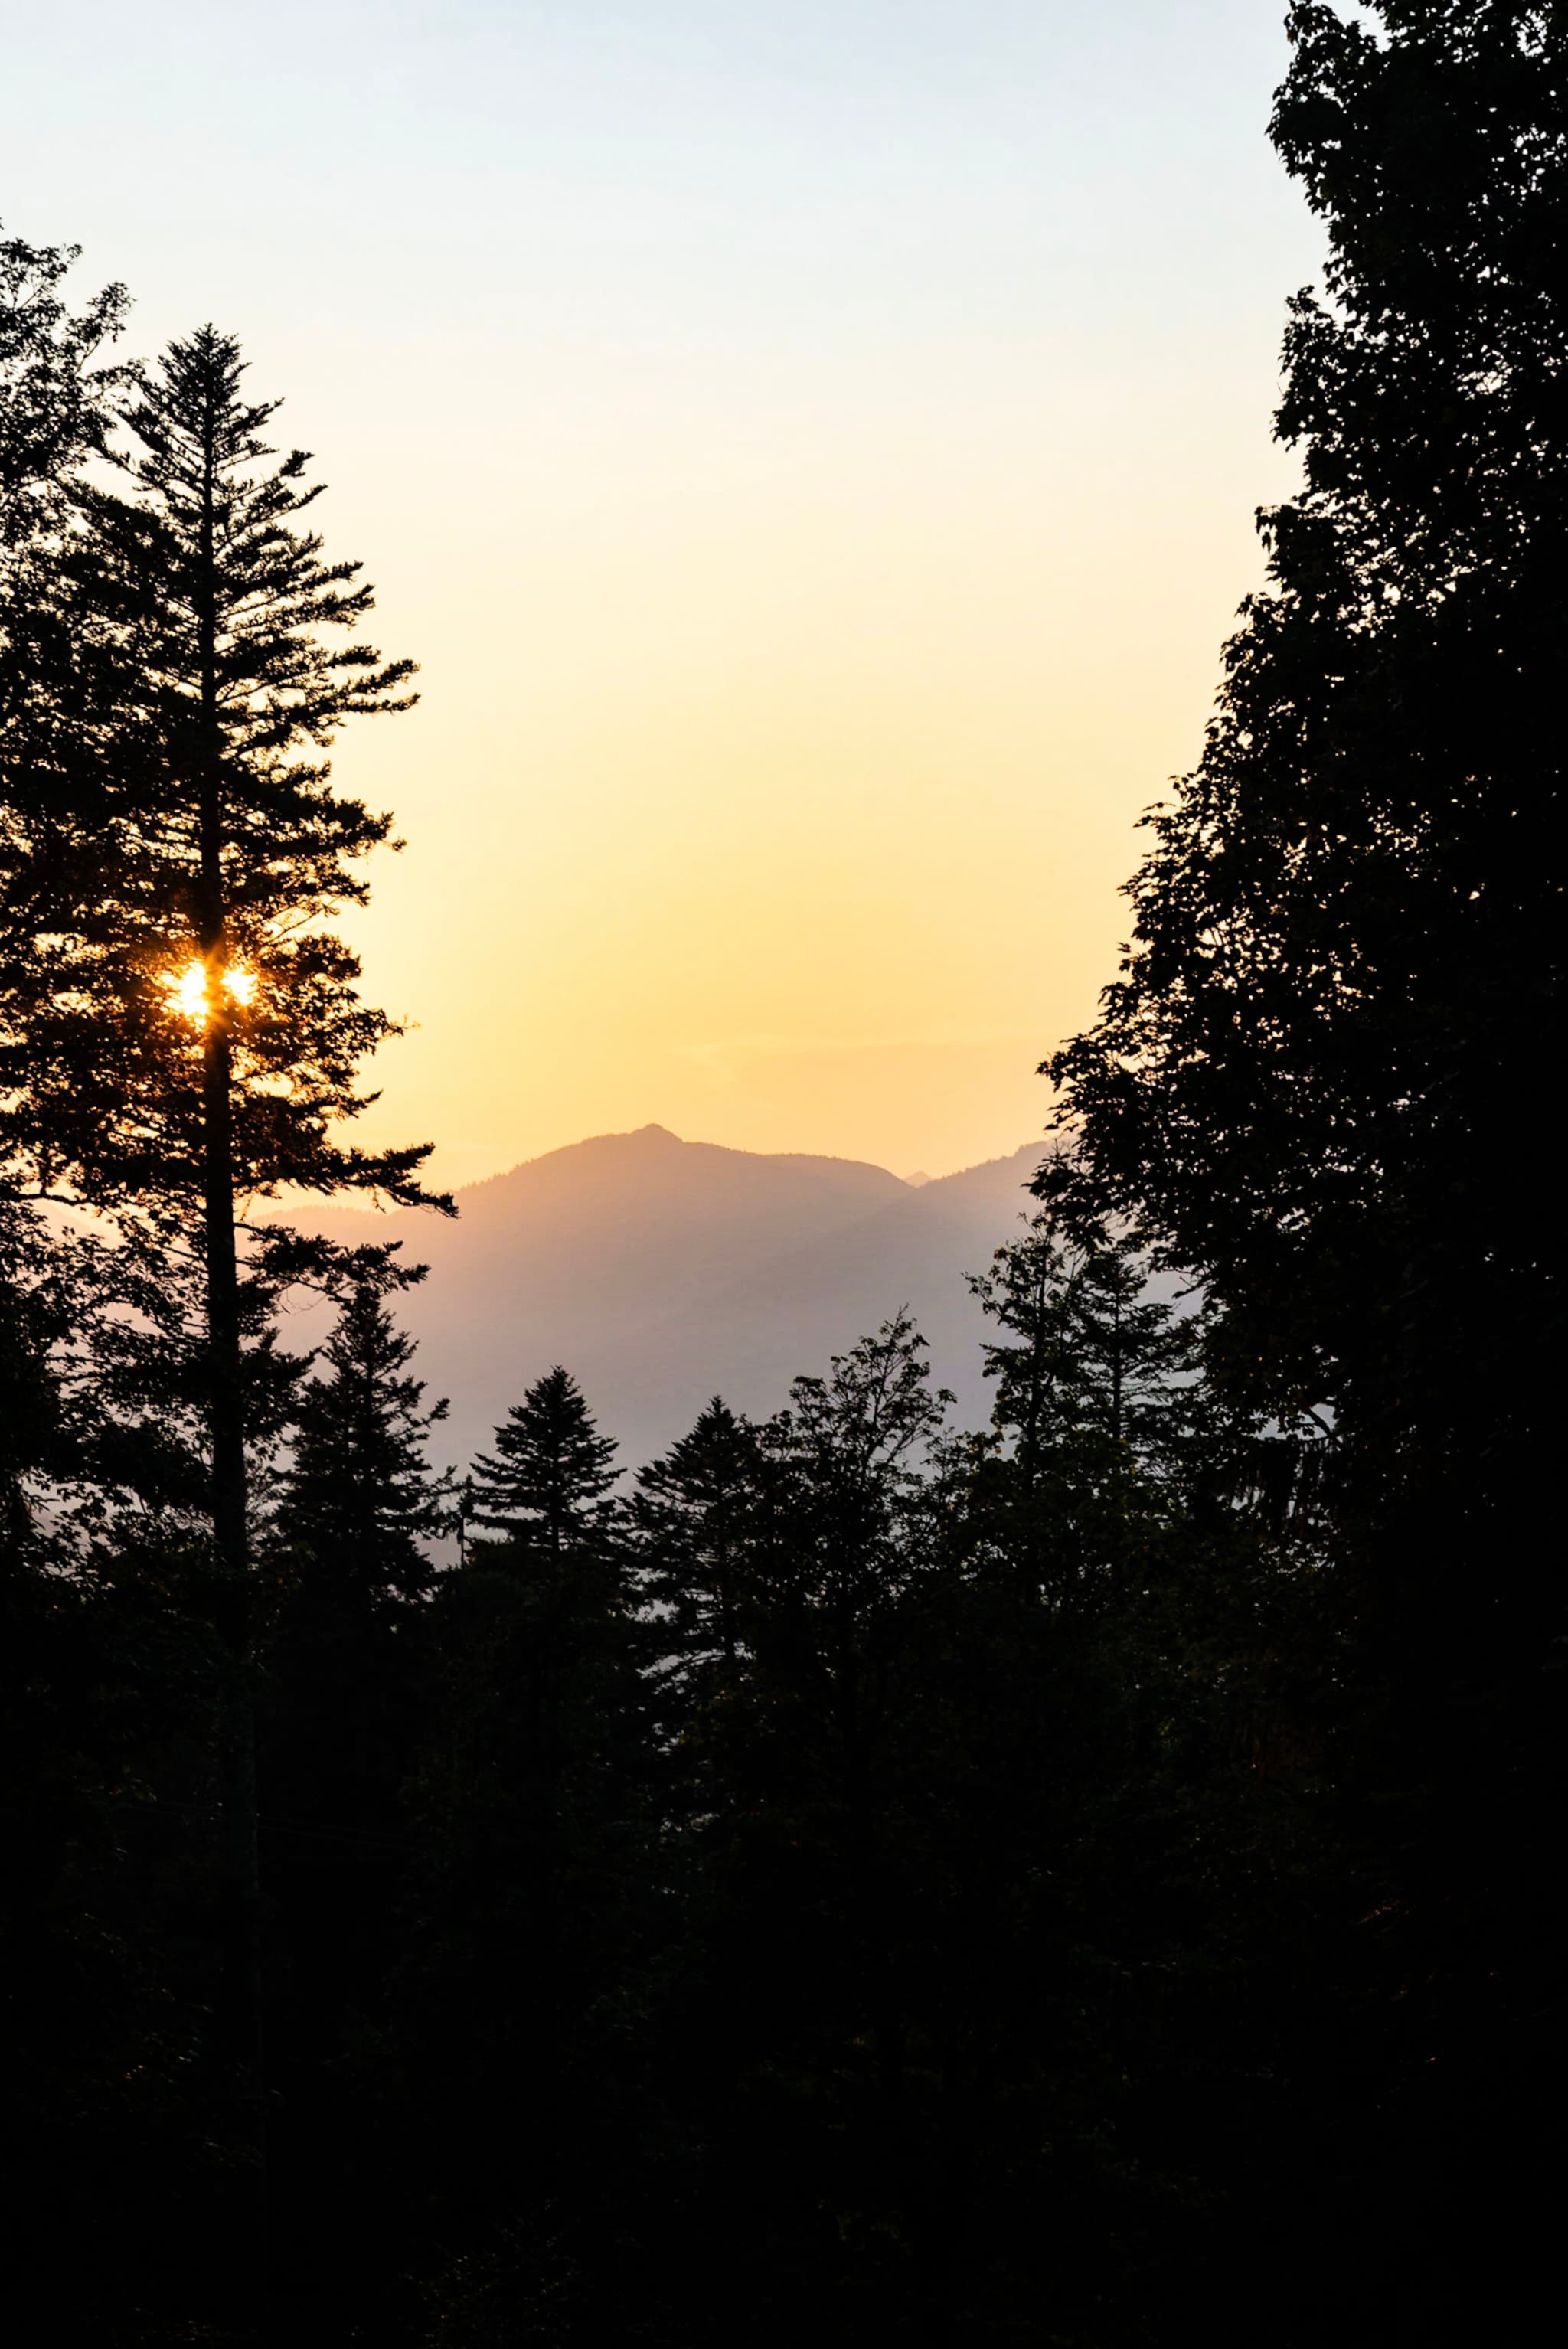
(1069, 1881)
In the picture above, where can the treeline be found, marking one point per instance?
(805, 1883)
(1086, 1881)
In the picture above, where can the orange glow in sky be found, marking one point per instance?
(812, 450)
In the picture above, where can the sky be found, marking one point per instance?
(811, 448)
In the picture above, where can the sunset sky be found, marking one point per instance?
(811, 447)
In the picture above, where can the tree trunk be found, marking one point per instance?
(226, 1435)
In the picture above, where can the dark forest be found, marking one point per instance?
(1088, 1880)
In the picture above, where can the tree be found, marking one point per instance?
(788, 2024)
(1319, 1076)
(195, 1044)
(1343, 959)
(531, 1800)
(1086, 1343)
(696, 1515)
(346, 1703)
(56, 403)
(359, 1501)
(55, 398)
(543, 1484)
(855, 1445)
(30, 1402)
(1091, 1371)
(183, 1031)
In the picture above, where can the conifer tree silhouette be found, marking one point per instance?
(56, 391)
(351, 1547)
(360, 1502)
(183, 1031)
(542, 1485)
(697, 1515)
(1085, 1346)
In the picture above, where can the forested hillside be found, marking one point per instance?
(1078, 1868)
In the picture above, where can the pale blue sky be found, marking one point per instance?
(811, 448)
(722, 175)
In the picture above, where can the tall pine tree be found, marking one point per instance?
(183, 1031)
(543, 1484)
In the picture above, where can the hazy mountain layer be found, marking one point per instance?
(662, 1271)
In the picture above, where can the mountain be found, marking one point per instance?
(662, 1271)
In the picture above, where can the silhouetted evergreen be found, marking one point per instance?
(165, 691)
(1095, 1396)
(346, 1701)
(531, 1805)
(55, 392)
(542, 1485)
(359, 1502)
(699, 1517)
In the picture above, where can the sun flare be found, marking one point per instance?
(188, 989)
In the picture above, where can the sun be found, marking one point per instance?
(187, 990)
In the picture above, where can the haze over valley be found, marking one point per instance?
(661, 1271)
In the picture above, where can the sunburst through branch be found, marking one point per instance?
(190, 989)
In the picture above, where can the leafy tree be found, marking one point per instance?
(56, 410)
(1086, 1344)
(30, 1403)
(1319, 1074)
(102, 1683)
(783, 2019)
(1344, 963)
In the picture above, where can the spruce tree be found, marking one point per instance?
(697, 1516)
(360, 1503)
(1086, 1345)
(347, 1698)
(1088, 1371)
(194, 1042)
(544, 1485)
(183, 1031)
(533, 1805)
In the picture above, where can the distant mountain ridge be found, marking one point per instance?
(662, 1271)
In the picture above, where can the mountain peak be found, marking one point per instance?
(659, 1270)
